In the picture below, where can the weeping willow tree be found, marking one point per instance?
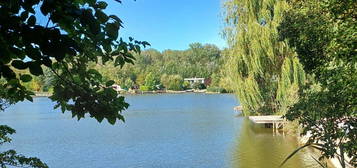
(263, 71)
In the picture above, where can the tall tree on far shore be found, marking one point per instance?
(264, 72)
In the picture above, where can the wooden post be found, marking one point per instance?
(274, 128)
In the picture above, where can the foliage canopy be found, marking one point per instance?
(324, 35)
(76, 34)
(264, 72)
(199, 60)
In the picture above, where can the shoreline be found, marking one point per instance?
(331, 161)
(138, 92)
(168, 92)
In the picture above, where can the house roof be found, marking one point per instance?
(194, 79)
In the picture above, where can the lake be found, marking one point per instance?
(161, 131)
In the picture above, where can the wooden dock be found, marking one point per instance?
(42, 94)
(275, 120)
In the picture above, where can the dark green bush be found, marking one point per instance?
(199, 86)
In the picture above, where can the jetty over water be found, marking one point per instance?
(43, 94)
(275, 120)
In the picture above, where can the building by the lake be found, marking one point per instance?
(194, 80)
(205, 81)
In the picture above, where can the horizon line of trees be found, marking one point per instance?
(155, 70)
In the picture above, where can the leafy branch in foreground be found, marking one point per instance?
(11, 158)
(76, 34)
(324, 35)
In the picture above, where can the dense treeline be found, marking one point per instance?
(154, 70)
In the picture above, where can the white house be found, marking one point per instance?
(195, 80)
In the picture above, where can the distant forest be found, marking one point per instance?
(153, 70)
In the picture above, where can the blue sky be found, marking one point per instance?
(170, 24)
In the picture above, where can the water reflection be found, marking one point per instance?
(183, 130)
(258, 147)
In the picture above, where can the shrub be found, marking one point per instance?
(216, 89)
(128, 84)
(144, 88)
(199, 86)
(151, 81)
(186, 85)
(172, 82)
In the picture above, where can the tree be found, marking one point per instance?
(172, 82)
(11, 158)
(46, 80)
(150, 81)
(200, 60)
(76, 34)
(140, 80)
(128, 83)
(262, 70)
(324, 35)
(198, 85)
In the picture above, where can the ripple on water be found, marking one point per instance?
(168, 130)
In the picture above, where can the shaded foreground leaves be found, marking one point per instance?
(11, 157)
(76, 34)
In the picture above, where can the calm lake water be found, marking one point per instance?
(161, 131)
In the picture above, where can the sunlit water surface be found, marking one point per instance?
(161, 131)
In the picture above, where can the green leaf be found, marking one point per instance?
(112, 30)
(121, 117)
(13, 82)
(116, 18)
(145, 43)
(26, 78)
(31, 21)
(111, 120)
(137, 49)
(7, 72)
(101, 5)
(33, 53)
(35, 68)
(24, 15)
(63, 109)
(29, 98)
(99, 117)
(19, 64)
(119, 61)
(47, 61)
(102, 17)
(109, 83)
